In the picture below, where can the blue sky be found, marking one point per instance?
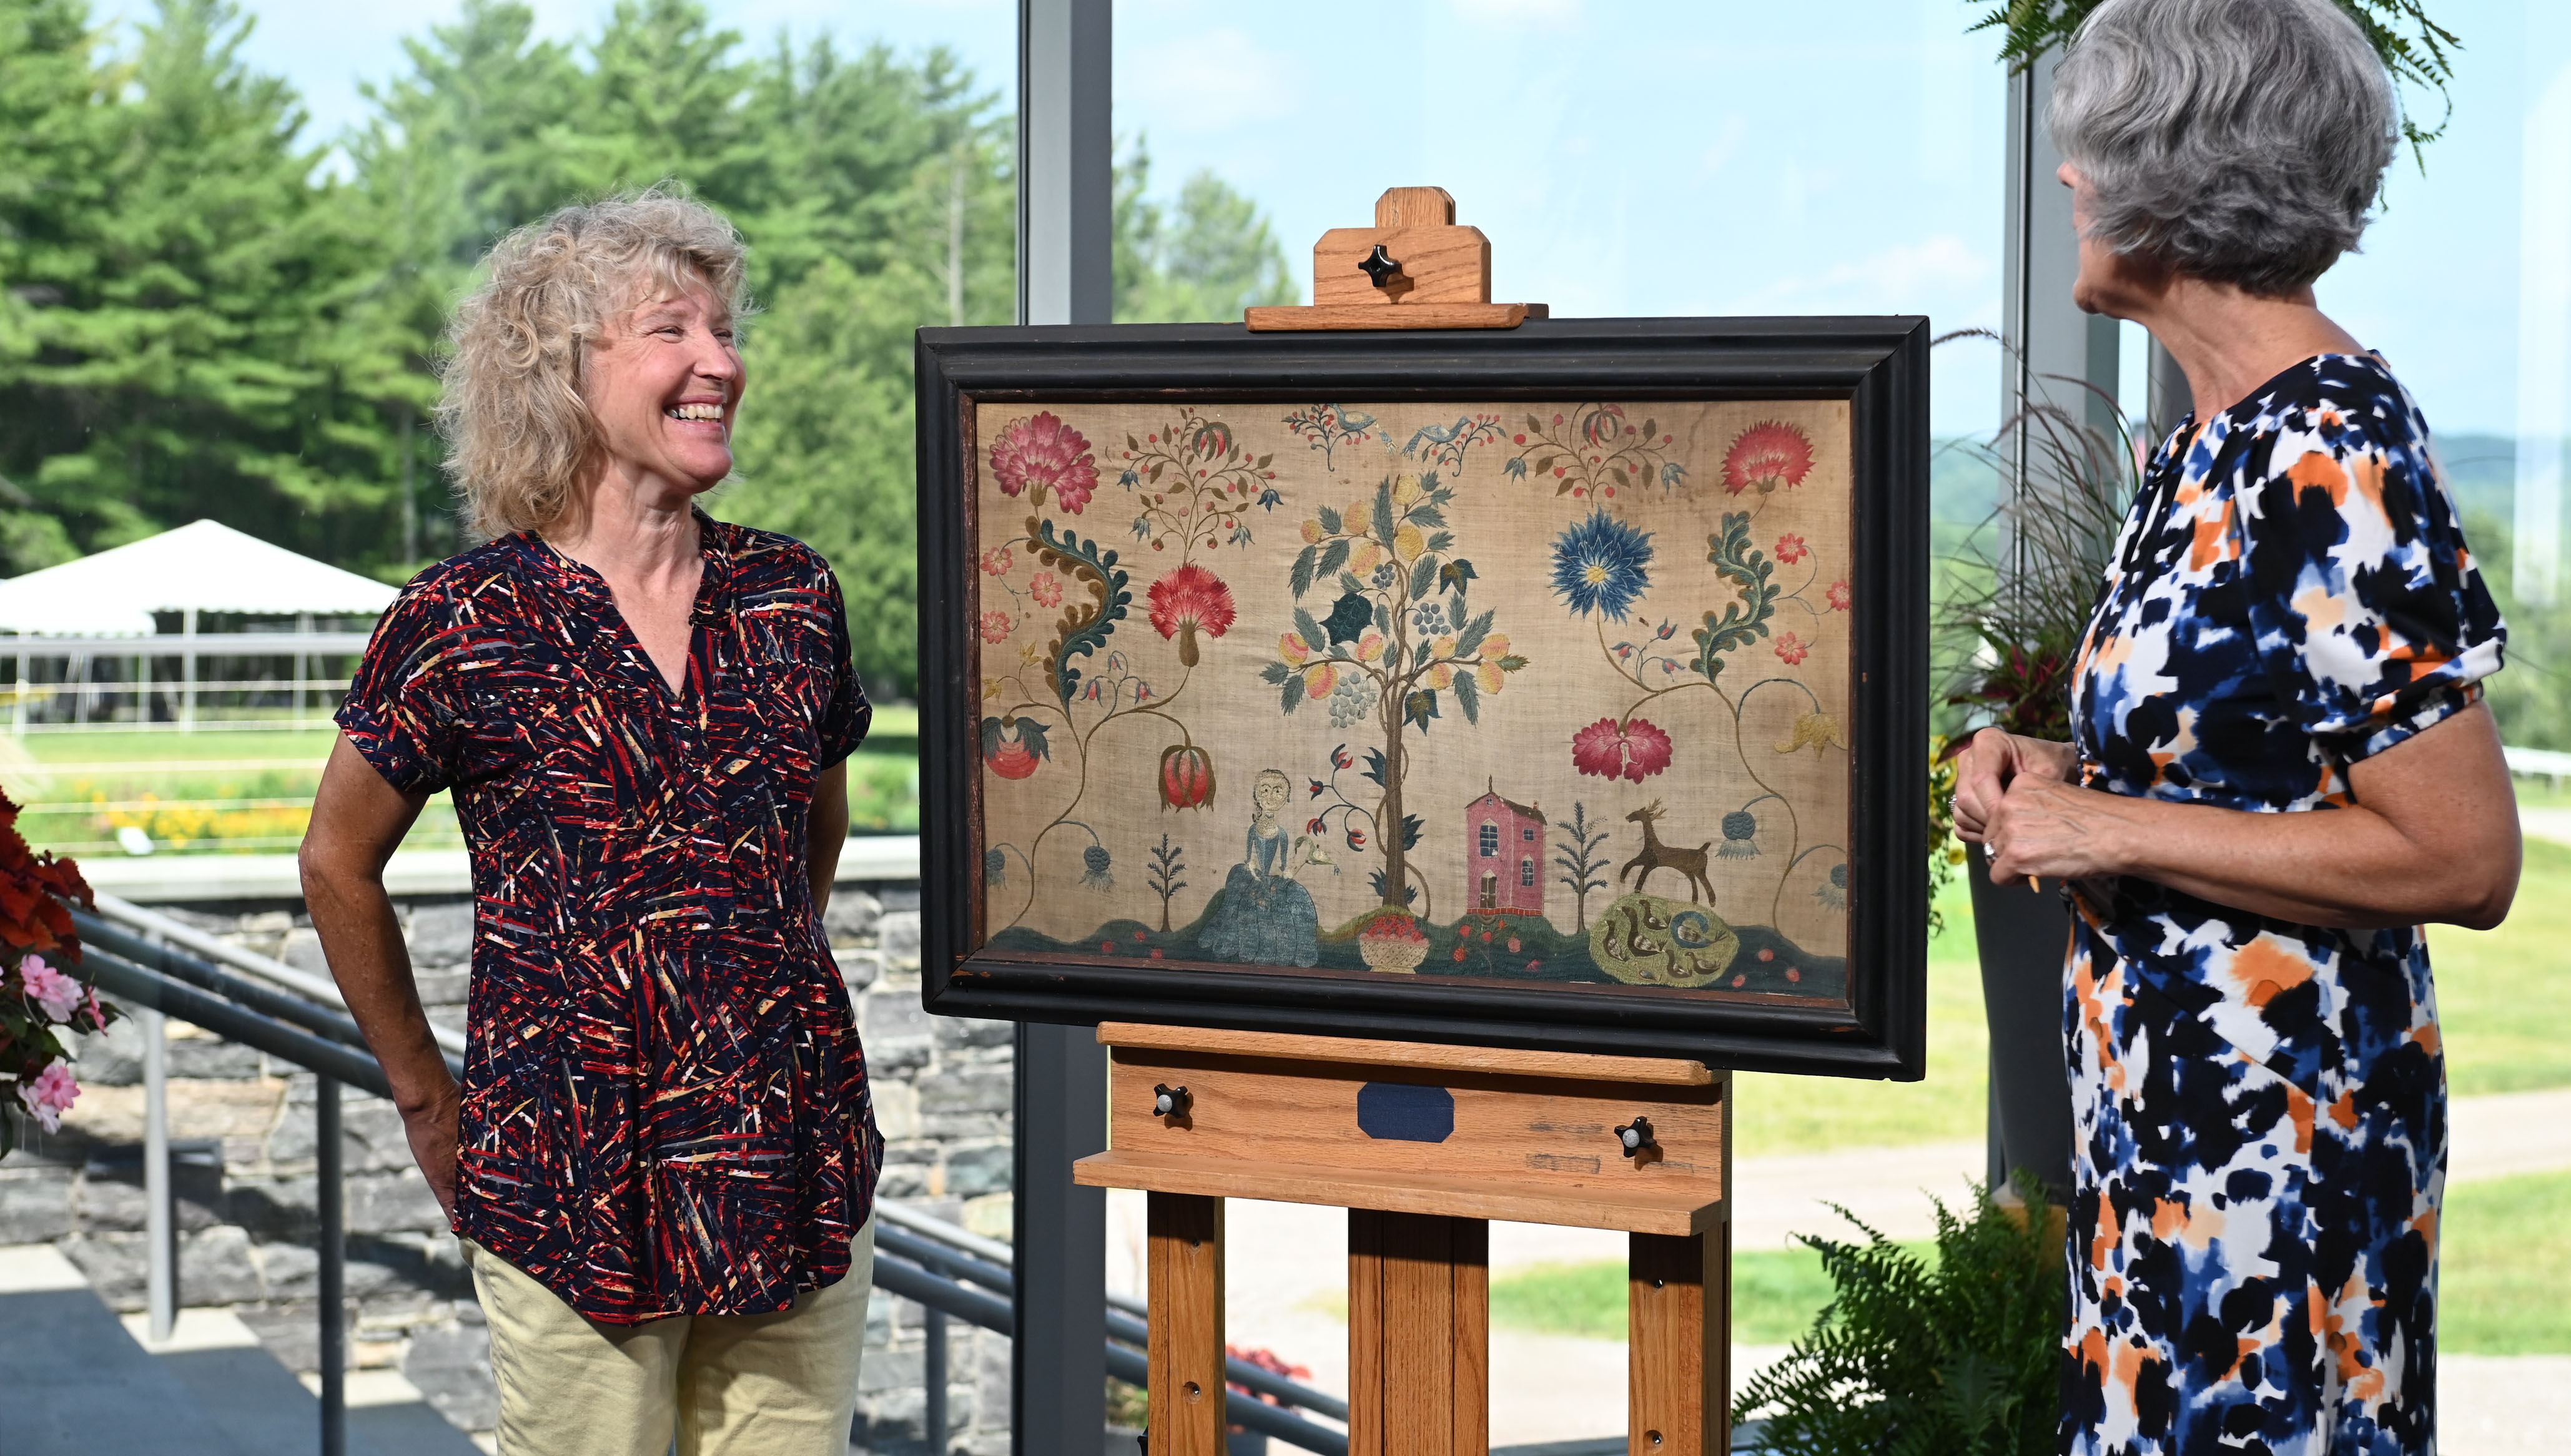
(1641, 157)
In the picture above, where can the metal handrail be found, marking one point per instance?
(275, 972)
(919, 1257)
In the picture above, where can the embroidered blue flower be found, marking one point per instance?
(1739, 836)
(995, 867)
(1094, 865)
(1834, 891)
(1599, 565)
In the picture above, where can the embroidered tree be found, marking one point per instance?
(1580, 860)
(1397, 645)
(1164, 874)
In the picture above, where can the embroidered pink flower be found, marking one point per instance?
(50, 1095)
(1047, 590)
(1791, 648)
(997, 627)
(1838, 595)
(59, 995)
(1187, 600)
(997, 561)
(1635, 750)
(1766, 456)
(1791, 548)
(1040, 453)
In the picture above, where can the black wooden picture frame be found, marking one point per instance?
(1877, 365)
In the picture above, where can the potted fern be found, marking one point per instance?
(1957, 1354)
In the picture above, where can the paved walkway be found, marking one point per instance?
(1288, 1279)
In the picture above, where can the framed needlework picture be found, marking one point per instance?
(1560, 687)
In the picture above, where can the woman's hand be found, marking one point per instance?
(433, 1129)
(2045, 828)
(1992, 763)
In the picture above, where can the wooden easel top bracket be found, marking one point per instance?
(1415, 269)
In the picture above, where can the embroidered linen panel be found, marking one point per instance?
(1537, 693)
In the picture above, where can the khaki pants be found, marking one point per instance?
(782, 1384)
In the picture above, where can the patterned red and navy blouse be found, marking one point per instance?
(664, 1102)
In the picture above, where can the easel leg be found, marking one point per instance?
(1680, 1353)
(1419, 1336)
(1187, 1324)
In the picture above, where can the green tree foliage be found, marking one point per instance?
(199, 318)
(1202, 263)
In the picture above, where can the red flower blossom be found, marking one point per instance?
(1791, 649)
(1040, 453)
(1047, 590)
(1791, 548)
(1011, 759)
(1185, 600)
(1838, 595)
(997, 627)
(1766, 456)
(997, 561)
(1636, 750)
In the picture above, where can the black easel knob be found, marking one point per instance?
(1380, 266)
(1635, 1135)
(1170, 1102)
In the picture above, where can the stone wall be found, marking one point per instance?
(243, 1173)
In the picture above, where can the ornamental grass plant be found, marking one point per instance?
(1955, 1353)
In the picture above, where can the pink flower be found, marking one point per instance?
(1767, 456)
(1791, 548)
(997, 627)
(1791, 648)
(57, 993)
(1838, 595)
(50, 1095)
(1636, 750)
(1187, 600)
(1047, 590)
(1040, 453)
(997, 561)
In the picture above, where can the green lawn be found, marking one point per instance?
(1778, 1114)
(2504, 999)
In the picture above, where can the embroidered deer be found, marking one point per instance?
(1657, 856)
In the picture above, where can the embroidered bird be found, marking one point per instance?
(1439, 435)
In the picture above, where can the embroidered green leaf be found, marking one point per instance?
(1310, 627)
(1302, 577)
(1329, 521)
(1382, 523)
(1418, 708)
(1745, 621)
(1470, 641)
(1085, 626)
(1423, 577)
(1334, 557)
(1468, 696)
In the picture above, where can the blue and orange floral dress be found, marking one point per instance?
(2261, 1106)
(664, 1101)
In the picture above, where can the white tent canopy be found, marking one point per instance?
(204, 565)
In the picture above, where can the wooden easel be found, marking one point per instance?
(1424, 1144)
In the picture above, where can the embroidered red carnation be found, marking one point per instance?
(1791, 548)
(1187, 600)
(1766, 456)
(1791, 648)
(1838, 595)
(997, 627)
(997, 561)
(1039, 453)
(1636, 749)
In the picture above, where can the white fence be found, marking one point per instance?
(176, 680)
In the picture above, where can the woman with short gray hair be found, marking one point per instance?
(2282, 770)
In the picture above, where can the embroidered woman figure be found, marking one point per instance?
(1263, 917)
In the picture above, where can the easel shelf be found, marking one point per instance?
(1676, 1212)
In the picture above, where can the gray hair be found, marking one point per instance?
(2236, 140)
(518, 428)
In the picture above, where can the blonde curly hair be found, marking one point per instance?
(518, 429)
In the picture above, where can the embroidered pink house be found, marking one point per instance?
(1504, 855)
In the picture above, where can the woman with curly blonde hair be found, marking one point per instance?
(661, 1160)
